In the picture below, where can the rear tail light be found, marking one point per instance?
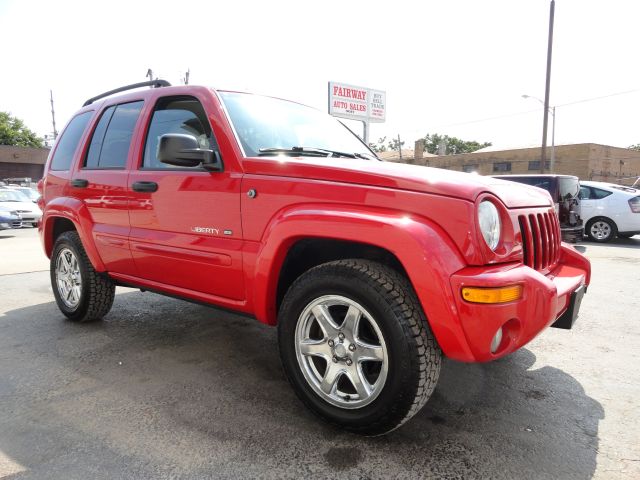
(634, 203)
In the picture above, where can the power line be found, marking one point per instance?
(599, 98)
(510, 115)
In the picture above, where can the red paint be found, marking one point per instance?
(425, 217)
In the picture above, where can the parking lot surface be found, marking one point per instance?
(167, 389)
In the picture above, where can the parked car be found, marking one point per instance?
(13, 200)
(9, 219)
(564, 190)
(609, 210)
(372, 271)
(31, 193)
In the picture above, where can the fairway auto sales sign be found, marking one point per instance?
(356, 103)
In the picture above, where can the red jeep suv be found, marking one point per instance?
(370, 270)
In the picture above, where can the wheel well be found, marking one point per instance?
(310, 252)
(60, 226)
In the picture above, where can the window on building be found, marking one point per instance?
(470, 168)
(502, 167)
(111, 139)
(535, 165)
(68, 142)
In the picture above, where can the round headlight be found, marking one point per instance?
(490, 226)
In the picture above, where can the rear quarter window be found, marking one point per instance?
(68, 143)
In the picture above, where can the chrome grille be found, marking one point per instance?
(540, 239)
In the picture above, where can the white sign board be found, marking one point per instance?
(356, 103)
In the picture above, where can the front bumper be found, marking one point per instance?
(544, 300)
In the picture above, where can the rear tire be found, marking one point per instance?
(371, 362)
(82, 294)
(601, 230)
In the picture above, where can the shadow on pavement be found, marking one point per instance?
(163, 388)
(633, 242)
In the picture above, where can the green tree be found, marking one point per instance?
(634, 147)
(453, 145)
(394, 144)
(14, 132)
(379, 146)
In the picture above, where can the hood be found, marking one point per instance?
(399, 176)
(29, 206)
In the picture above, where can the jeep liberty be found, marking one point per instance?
(371, 271)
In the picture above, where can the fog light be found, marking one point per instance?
(497, 340)
(492, 295)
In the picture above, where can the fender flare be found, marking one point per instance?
(425, 250)
(77, 212)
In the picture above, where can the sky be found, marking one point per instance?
(455, 67)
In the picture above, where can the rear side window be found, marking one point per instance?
(544, 183)
(177, 115)
(593, 193)
(111, 139)
(68, 143)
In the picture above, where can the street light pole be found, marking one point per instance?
(553, 141)
(545, 121)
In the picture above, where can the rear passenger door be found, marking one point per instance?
(101, 183)
(185, 221)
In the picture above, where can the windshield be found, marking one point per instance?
(29, 192)
(268, 126)
(12, 196)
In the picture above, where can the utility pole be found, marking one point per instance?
(149, 74)
(545, 121)
(186, 77)
(399, 147)
(53, 117)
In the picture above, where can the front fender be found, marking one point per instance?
(426, 252)
(77, 212)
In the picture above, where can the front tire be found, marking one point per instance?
(82, 294)
(356, 346)
(601, 230)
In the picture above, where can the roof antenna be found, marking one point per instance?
(186, 77)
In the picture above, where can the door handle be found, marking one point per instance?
(79, 183)
(144, 186)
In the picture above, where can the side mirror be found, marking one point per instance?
(183, 150)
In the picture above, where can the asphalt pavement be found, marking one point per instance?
(167, 389)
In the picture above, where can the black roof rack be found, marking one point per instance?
(152, 83)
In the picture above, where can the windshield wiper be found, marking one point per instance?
(306, 151)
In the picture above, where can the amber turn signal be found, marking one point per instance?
(492, 295)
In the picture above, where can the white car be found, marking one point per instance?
(29, 192)
(609, 210)
(17, 201)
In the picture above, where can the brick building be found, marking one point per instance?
(588, 161)
(22, 162)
